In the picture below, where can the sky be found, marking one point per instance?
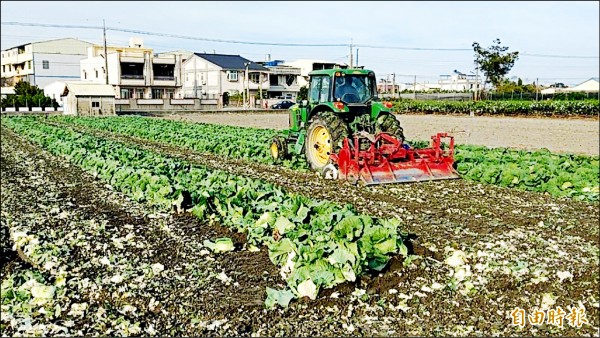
(558, 41)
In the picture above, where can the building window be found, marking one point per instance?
(45, 64)
(95, 104)
(139, 93)
(157, 93)
(232, 75)
(96, 73)
(170, 93)
(28, 64)
(84, 75)
(126, 93)
(254, 77)
(3, 69)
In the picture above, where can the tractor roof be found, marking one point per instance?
(330, 72)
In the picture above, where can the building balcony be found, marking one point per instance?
(256, 86)
(283, 88)
(164, 80)
(24, 57)
(132, 77)
(132, 80)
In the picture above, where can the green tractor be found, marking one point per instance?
(344, 130)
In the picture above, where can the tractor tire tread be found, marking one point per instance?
(388, 123)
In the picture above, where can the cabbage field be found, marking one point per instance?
(140, 226)
(549, 108)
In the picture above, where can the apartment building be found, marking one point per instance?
(308, 65)
(283, 80)
(459, 82)
(41, 63)
(136, 72)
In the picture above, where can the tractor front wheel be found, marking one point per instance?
(388, 123)
(278, 148)
(325, 135)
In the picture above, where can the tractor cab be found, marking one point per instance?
(354, 88)
(346, 86)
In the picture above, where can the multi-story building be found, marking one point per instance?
(218, 76)
(307, 66)
(283, 80)
(135, 72)
(459, 82)
(44, 62)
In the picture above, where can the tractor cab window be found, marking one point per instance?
(319, 89)
(353, 88)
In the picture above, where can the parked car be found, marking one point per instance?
(285, 104)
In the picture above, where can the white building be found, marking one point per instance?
(135, 72)
(459, 82)
(55, 90)
(306, 66)
(588, 86)
(283, 80)
(86, 98)
(41, 63)
(218, 76)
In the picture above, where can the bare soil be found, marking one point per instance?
(568, 135)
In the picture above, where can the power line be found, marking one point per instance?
(185, 37)
(560, 56)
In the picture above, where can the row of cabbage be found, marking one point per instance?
(316, 244)
(235, 142)
(575, 176)
(559, 175)
(535, 108)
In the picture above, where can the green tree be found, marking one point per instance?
(27, 95)
(303, 93)
(495, 62)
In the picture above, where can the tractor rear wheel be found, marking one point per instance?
(325, 135)
(388, 123)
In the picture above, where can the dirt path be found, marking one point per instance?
(558, 135)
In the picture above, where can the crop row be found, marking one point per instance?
(316, 244)
(574, 176)
(545, 108)
(235, 142)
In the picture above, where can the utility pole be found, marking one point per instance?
(195, 81)
(476, 83)
(415, 87)
(260, 89)
(246, 64)
(393, 85)
(350, 53)
(105, 52)
(244, 91)
(537, 83)
(356, 57)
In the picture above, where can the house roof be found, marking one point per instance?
(88, 89)
(230, 61)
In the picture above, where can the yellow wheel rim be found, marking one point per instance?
(319, 142)
(274, 150)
